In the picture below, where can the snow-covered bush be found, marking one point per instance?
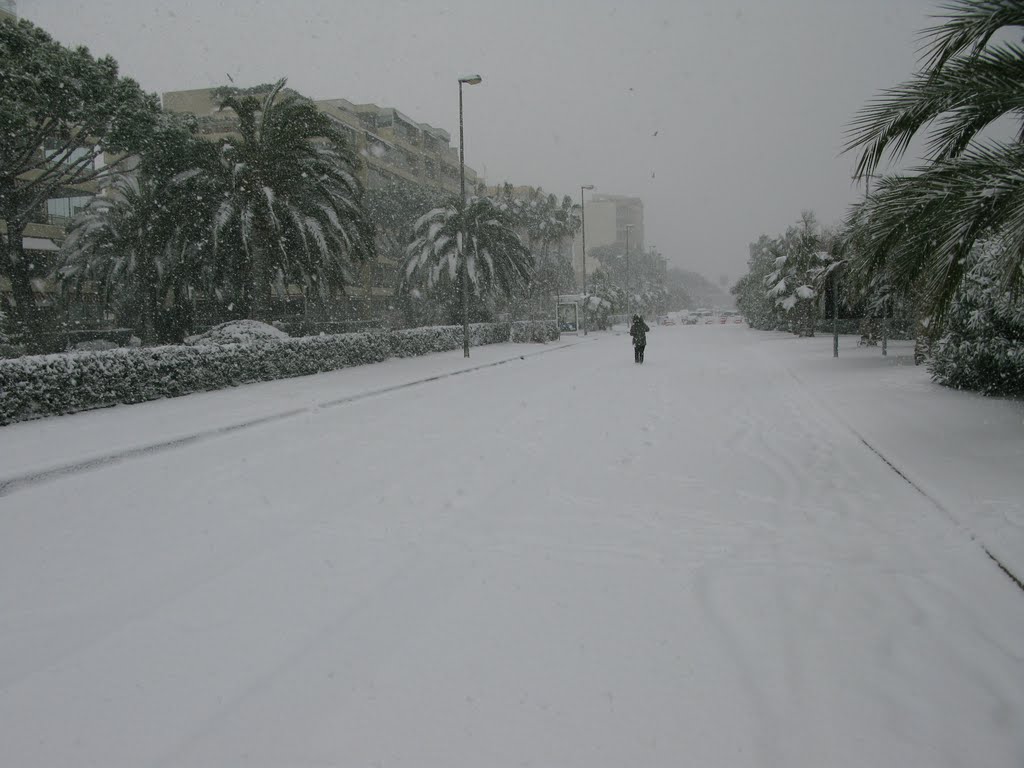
(535, 332)
(94, 345)
(47, 385)
(423, 341)
(982, 347)
(238, 332)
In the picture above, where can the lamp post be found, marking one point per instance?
(628, 313)
(835, 313)
(467, 80)
(583, 232)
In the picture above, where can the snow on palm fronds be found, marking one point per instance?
(478, 238)
(128, 244)
(797, 260)
(290, 196)
(921, 229)
(799, 264)
(921, 226)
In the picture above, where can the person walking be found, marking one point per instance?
(638, 330)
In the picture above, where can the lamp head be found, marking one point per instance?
(471, 79)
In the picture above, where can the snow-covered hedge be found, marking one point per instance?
(47, 385)
(536, 332)
(423, 341)
(982, 347)
(238, 332)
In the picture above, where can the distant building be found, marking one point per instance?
(606, 217)
(617, 211)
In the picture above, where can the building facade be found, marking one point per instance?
(614, 214)
(605, 219)
(392, 145)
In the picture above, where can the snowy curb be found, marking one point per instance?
(905, 475)
(14, 483)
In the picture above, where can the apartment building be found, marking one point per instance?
(613, 213)
(606, 217)
(391, 144)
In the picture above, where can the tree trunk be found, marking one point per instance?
(149, 301)
(150, 307)
(262, 303)
(262, 273)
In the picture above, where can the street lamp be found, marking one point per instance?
(467, 80)
(628, 313)
(583, 231)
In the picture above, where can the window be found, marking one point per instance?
(60, 210)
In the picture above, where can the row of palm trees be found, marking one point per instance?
(281, 204)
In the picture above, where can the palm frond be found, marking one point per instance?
(958, 94)
(967, 24)
(491, 254)
(964, 97)
(918, 230)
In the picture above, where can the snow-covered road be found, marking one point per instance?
(565, 560)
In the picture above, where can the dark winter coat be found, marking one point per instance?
(639, 331)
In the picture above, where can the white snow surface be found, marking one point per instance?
(566, 559)
(238, 332)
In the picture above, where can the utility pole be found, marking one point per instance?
(835, 312)
(629, 314)
(468, 80)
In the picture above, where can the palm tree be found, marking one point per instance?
(479, 238)
(124, 243)
(798, 262)
(144, 238)
(291, 204)
(569, 223)
(920, 227)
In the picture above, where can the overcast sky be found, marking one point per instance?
(725, 116)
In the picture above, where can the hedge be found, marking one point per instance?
(993, 366)
(48, 385)
(525, 332)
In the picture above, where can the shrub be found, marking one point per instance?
(238, 332)
(94, 345)
(46, 385)
(982, 347)
(534, 331)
